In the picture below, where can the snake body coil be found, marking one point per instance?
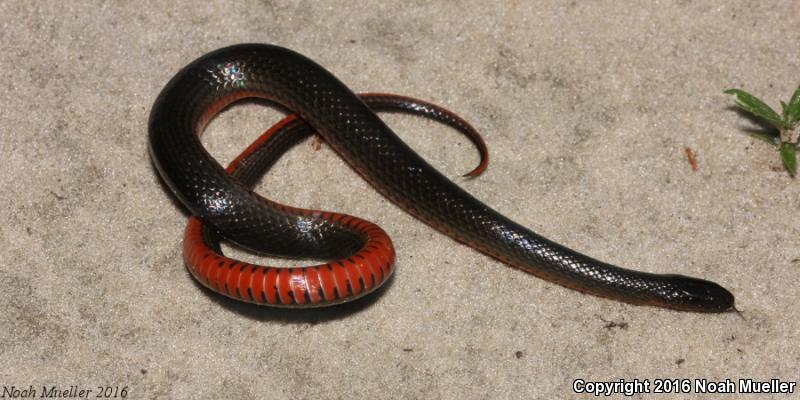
(361, 138)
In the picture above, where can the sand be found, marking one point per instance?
(587, 108)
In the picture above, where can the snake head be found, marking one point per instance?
(697, 295)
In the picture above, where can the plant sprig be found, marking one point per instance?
(787, 123)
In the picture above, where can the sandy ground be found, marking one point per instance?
(587, 108)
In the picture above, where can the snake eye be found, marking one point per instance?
(692, 294)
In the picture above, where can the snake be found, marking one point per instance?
(359, 255)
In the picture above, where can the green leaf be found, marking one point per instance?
(754, 106)
(792, 113)
(783, 109)
(767, 136)
(789, 157)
